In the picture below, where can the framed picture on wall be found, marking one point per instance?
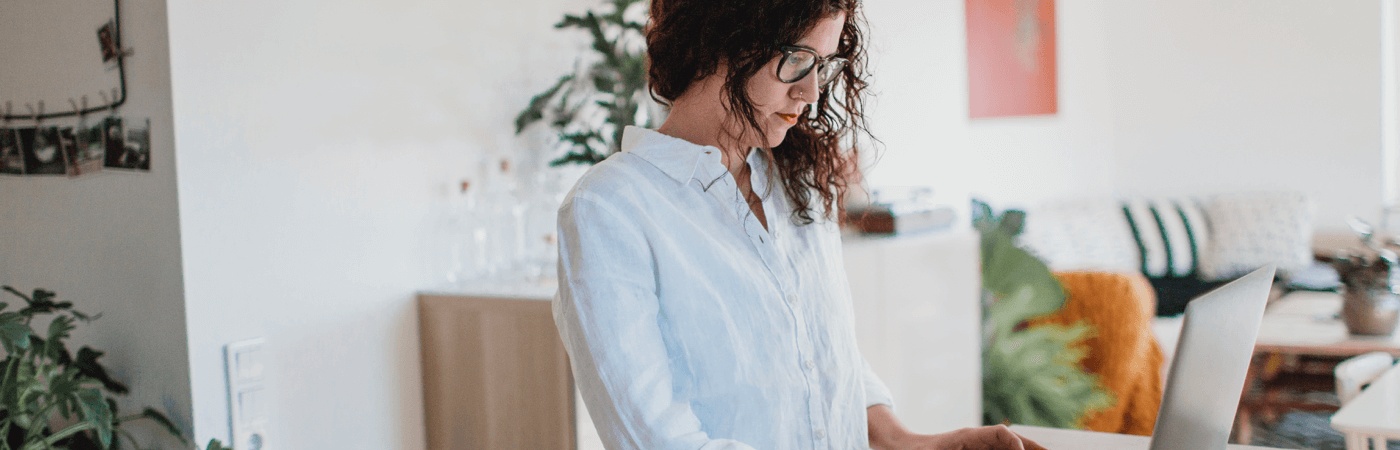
(1011, 59)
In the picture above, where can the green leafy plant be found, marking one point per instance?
(1030, 374)
(589, 109)
(53, 399)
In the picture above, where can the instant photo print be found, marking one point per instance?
(73, 143)
(107, 39)
(135, 150)
(42, 155)
(11, 159)
(113, 141)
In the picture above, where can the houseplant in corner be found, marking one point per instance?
(53, 399)
(1030, 374)
(590, 107)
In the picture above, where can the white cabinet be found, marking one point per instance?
(918, 323)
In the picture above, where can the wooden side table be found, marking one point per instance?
(1301, 325)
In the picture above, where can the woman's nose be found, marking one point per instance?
(806, 89)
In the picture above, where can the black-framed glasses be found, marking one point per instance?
(799, 61)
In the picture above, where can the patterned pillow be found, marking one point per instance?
(1248, 231)
(1170, 235)
(1081, 235)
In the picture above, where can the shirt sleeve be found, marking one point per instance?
(876, 393)
(606, 312)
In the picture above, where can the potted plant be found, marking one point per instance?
(51, 398)
(589, 108)
(1030, 374)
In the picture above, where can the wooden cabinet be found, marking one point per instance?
(495, 374)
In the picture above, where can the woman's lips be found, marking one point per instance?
(791, 119)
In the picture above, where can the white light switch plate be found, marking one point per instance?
(245, 365)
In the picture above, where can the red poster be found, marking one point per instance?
(1011, 57)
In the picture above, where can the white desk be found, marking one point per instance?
(1059, 439)
(1376, 412)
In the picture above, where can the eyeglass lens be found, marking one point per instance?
(797, 64)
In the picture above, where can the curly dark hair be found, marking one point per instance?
(687, 40)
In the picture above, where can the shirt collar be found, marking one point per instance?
(677, 158)
(683, 160)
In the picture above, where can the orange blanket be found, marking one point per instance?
(1122, 350)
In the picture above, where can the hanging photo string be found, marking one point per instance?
(36, 114)
(109, 38)
(82, 113)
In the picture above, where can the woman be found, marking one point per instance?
(702, 300)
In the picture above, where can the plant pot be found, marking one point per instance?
(1372, 311)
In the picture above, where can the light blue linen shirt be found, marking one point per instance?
(690, 326)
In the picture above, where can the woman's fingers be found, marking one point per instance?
(1010, 440)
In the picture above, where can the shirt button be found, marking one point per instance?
(821, 434)
(792, 298)
(809, 365)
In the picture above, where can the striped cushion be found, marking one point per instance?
(1170, 234)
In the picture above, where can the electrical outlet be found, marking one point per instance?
(246, 369)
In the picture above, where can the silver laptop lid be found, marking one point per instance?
(1212, 357)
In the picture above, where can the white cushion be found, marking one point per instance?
(1251, 230)
(1081, 235)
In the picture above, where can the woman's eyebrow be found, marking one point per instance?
(817, 52)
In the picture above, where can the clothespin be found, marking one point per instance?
(110, 101)
(36, 113)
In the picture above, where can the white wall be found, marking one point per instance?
(919, 65)
(109, 242)
(318, 140)
(1189, 97)
(1216, 96)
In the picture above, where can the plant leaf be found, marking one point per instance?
(60, 328)
(535, 111)
(1008, 271)
(14, 333)
(95, 409)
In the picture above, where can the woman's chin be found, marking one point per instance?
(776, 137)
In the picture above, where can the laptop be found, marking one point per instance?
(1212, 357)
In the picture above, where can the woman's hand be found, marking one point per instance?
(887, 433)
(997, 437)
